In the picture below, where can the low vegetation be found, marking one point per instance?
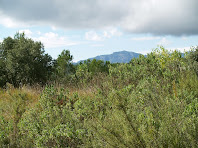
(150, 102)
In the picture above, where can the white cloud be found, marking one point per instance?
(145, 38)
(159, 17)
(184, 38)
(107, 33)
(38, 33)
(97, 45)
(27, 32)
(54, 28)
(93, 36)
(164, 42)
(53, 40)
(145, 52)
(181, 49)
(10, 22)
(162, 17)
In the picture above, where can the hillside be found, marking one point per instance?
(117, 57)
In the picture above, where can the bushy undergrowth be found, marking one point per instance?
(150, 102)
(13, 104)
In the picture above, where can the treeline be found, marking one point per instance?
(24, 62)
(150, 102)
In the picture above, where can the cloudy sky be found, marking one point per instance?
(94, 27)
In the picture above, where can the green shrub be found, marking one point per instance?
(52, 123)
(13, 104)
(150, 102)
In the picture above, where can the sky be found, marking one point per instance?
(96, 27)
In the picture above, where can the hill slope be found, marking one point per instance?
(117, 57)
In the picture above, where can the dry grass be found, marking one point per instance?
(10, 99)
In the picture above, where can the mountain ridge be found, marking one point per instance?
(116, 57)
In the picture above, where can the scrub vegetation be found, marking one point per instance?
(152, 101)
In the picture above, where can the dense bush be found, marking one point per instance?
(91, 70)
(52, 122)
(150, 102)
(13, 104)
(192, 57)
(23, 61)
(64, 69)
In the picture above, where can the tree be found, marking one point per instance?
(24, 61)
(192, 56)
(2, 72)
(64, 67)
(97, 66)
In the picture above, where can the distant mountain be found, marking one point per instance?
(117, 57)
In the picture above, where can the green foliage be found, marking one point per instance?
(23, 61)
(96, 66)
(5, 128)
(150, 102)
(146, 104)
(82, 73)
(192, 56)
(52, 123)
(3, 75)
(64, 67)
(13, 104)
(87, 71)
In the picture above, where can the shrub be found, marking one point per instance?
(52, 123)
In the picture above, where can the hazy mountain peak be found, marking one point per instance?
(117, 57)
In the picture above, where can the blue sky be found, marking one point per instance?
(95, 27)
